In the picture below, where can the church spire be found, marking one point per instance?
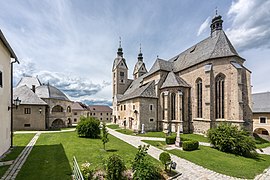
(216, 22)
(120, 50)
(140, 55)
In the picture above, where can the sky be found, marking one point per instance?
(71, 44)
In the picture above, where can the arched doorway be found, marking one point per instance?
(261, 131)
(58, 123)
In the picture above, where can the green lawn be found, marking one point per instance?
(196, 137)
(125, 131)
(51, 157)
(221, 162)
(113, 126)
(261, 143)
(20, 141)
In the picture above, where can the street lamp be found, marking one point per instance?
(16, 103)
(40, 110)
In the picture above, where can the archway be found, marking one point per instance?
(58, 123)
(57, 108)
(261, 131)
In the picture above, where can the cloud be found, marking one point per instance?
(204, 26)
(97, 101)
(250, 24)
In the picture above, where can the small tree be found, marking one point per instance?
(105, 134)
(165, 158)
(88, 127)
(115, 167)
(140, 156)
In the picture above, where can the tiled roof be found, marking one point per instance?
(174, 81)
(99, 108)
(117, 60)
(261, 102)
(212, 47)
(29, 81)
(138, 67)
(48, 91)
(27, 96)
(161, 64)
(79, 106)
(142, 90)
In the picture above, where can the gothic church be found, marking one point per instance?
(192, 92)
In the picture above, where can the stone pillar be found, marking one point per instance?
(178, 140)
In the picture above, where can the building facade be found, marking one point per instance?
(261, 113)
(79, 110)
(101, 112)
(7, 58)
(193, 91)
(43, 106)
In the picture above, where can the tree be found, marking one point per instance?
(115, 167)
(165, 158)
(105, 134)
(88, 127)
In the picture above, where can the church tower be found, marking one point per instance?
(216, 24)
(139, 68)
(120, 73)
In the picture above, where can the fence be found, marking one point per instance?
(77, 174)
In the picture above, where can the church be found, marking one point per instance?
(193, 91)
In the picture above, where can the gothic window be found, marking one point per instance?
(199, 97)
(220, 79)
(163, 106)
(1, 79)
(173, 106)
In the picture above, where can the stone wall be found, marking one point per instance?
(259, 126)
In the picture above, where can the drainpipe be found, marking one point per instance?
(11, 98)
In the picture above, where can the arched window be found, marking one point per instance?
(163, 106)
(199, 97)
(57, 108)
(173, 106)
(68, 109)
(220, 80)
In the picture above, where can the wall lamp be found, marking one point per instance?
(16, 103)
(40, 110)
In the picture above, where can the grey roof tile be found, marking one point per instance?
(29, 81)
(48, 91)
(261, 102)
(174, 81)
(27, 96)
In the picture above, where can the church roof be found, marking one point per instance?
(27, 96)
(261, 102)
(161, 64)
(48, 91)
(174, 81)
(216, 46)
(140, 90)
(29, 81)
(117, 60)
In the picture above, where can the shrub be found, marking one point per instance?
(190, 145)
(228, 138)
(165, 158)
(86, 170)
(115, 168)
(140, 156)
(170, 139)
(88, 127)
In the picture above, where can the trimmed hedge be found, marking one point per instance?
(170, 139)
(190, 145)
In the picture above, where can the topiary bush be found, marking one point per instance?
(190, 145)
(115, 168)
(228, 138)
(165, 158)
(170, 139)
(88, 127)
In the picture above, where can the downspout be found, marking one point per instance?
(11, 98)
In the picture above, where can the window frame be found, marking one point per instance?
(265, 119)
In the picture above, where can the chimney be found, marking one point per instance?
(34, 88)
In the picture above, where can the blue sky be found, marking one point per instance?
(72, 44)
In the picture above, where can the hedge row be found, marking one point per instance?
(190, 145)
(170, 139)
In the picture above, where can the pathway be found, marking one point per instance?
(189, 170)
(14, 169)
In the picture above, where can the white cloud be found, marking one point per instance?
(204, 26)
(250, 24)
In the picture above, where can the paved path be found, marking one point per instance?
(14, 169)
(26, 132)
(264, 151)
(189, 170)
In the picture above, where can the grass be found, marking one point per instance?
(113, 126)
(51, 157)
(20, 141)
(196, 137)
(125, 131)
(221, 162)
(261, 143)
